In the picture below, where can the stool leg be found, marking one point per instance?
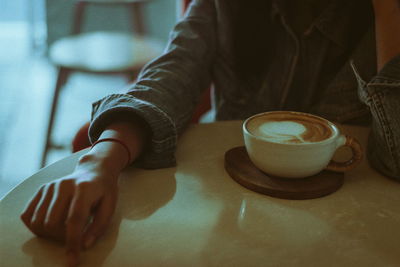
(137, 19)
(78, 16)
(61, 79)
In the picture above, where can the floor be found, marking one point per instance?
(26, 84)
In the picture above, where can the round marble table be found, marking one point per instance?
(196, 215)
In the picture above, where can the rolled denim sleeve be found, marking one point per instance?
(168, 88)
(382, 95)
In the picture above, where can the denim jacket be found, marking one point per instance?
(199, 53)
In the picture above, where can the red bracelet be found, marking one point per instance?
(116, 141)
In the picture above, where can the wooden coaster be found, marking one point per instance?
(243, 171)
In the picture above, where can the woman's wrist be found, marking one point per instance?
(105, 156)
(118, 146)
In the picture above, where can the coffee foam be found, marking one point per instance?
(283, 131)
(290, 128)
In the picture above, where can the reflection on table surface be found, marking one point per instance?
(196, 215)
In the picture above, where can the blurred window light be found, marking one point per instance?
(22, 28)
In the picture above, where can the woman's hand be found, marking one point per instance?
(76, 208)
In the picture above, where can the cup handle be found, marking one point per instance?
(351, 163)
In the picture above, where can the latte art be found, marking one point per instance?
(285, 131)
(293, 129)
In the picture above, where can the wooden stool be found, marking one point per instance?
(100, 52)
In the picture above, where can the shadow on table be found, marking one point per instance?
(141, 194)
(44, 252)
(144, 192)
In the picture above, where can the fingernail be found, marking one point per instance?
(89, 241)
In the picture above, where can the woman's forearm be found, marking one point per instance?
(387, 28)
(113, 156)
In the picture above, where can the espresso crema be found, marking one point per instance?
(290, 128)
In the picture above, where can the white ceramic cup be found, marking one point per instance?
(298, 160)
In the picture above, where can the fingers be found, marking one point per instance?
(35, 213)
(101, 220)
(63, 208)
(46, 212)
(26, 215)
(58, 208)
(37, 221)
(78, 215)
